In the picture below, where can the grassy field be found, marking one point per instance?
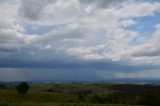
(77, 94)
(61, 104)
(12, 96)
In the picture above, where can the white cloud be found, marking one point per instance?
(139, 9)
(32, 9)
(86, 30)
(149, 51)
(102, 3)
(78, 51)
(127, 22)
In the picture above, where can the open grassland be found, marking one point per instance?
(78, 94)
(61, 104)
(12, 96)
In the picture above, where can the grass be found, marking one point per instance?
(13, 96)
(74, 94)
(61, 104)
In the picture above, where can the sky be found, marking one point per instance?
(79, 40)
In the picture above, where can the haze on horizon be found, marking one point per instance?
(85, 40)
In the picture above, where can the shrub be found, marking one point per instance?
(23, 88)
(4, 104)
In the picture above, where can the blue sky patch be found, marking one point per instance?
(145, 25)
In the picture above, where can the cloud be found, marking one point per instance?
(139, 9)
(152, 52)
(90, 35)
(151, 47)
(141, 74)
(32, 9)
(102, 3)
(37, 74)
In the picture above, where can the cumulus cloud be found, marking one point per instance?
(102, 3)
(32, 9)
(150, 50)
(139, 9)
(90, 35)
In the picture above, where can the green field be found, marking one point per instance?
(61, 104)
(77, 94)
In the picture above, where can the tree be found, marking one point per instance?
(23, 88)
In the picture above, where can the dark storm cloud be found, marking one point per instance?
(56, 61)
(7, 49)
(38, 74)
